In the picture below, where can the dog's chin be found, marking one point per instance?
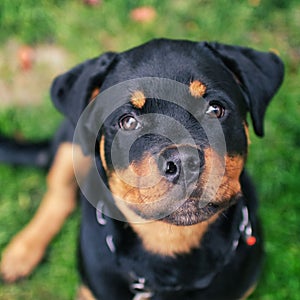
(191, 213)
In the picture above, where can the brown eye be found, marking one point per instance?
(129, 123)
(216, 110)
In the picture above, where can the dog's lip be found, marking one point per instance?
(193, 211)
(208, 207)
(204, 205)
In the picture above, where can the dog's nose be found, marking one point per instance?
(181, 163)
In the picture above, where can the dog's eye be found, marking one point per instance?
(129, 123)
(215, 110)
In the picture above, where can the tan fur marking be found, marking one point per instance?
(166, 239)
(94, 94)
(133, 184)
(138, 99)
(249, 292)
(229, 169)
(247, 133)
(230, 185)
(197, 88)
(84, 294)
(102, 153)
(27, 248)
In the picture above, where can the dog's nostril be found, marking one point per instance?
(171, 168)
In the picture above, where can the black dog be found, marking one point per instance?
(192, 230)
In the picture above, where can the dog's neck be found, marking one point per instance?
(166, 239)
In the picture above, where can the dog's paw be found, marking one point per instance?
(20, 257)
(84, 293)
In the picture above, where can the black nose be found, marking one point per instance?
(181, 163)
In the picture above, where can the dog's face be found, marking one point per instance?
(165, 159)
(155, 174)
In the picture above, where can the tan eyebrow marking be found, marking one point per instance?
(94, 93)
(197, 88)
(138, 99)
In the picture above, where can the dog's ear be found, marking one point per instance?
(259, 73)
(71, 91)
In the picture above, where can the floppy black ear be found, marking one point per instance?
(71, 91)
(259, 73)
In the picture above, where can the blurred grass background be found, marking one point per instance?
(71, 31)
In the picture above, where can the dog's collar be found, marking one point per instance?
(246, 228)
(139, 286)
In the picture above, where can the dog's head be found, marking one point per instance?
(175, 146)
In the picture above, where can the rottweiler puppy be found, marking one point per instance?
(168, 211)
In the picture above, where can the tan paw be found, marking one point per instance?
(84, 293)
(20, 257)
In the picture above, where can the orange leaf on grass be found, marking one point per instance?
(26, 57)
(143, 14)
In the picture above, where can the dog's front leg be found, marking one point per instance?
(27, 248)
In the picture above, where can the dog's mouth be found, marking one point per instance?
(174, 210)
(190, 211)
(194, 211)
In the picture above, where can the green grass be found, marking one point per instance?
(85, 32)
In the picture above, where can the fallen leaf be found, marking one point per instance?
(143, 14)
